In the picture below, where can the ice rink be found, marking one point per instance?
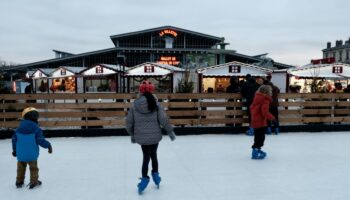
(299, 166)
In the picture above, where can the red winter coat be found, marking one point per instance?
(260, 110)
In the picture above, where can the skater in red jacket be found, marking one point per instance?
(260, 114)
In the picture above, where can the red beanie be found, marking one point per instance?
(146, 86)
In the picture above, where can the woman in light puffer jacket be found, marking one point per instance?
(143, 123)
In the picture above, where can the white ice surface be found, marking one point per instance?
(310, 166)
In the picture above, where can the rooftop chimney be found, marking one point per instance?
(329, 45)
(338, 43)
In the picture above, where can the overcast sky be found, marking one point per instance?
(290, 31)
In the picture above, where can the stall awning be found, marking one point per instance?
(236, 74)
(234, 69)
(152, 69)
(328, 71)
(309, 74)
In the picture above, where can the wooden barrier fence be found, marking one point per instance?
(72, 111)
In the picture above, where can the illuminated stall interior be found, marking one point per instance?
(162, 84)
(320, 78)
(215, 84)
(64, 79)
(66, 84)
(40, 80)
(100, 84)
(163, 76)
(102, 78)
(216, 79)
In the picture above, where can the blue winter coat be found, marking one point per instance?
(26, 140)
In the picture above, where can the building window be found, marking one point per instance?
(334, 55)
(337, 69)
(63, 72)
(149, 69)
(169, 42)
(340, 55)
(234, 69)
(347, 54)
(40, 74)
(99, 70)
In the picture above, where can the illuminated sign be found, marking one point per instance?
(168, 60)
(168, 32)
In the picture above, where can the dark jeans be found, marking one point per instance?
(259, 137)
(149, 152)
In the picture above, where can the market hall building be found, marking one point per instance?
(165, 45)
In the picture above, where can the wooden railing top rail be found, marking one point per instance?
(165, 96)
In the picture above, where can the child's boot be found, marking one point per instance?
(143, 184)
(19, 184)
(156, 178)
(34, 184)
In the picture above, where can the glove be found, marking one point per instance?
(133, 140)
(50, 150)
(14, 154)
(172, 136)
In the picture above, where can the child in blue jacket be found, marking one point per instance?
(25, 145)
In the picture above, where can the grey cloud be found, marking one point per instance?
(284, 28)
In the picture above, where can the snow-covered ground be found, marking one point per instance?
(216, 167)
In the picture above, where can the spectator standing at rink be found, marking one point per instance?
(248, 90)
(273, 107)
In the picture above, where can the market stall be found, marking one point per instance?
(40, 79)
(320, 77)
(217, 78)
(66, 79)
(103, 78)
(164, 77)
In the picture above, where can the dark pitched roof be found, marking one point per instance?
(60, 59)
(220, 39)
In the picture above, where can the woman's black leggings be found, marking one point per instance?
(149, 152)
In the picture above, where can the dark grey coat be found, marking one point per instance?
(144, 126)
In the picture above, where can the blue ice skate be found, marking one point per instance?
(143, 184)
(257, 154)
(156, 178)
(250, 131)
(268, 130)
(277, 131)
(263, 153)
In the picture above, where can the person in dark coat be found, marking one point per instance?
(248, 90)
(347, 89)
(25, 146)
(144, 121)
(260, 114)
